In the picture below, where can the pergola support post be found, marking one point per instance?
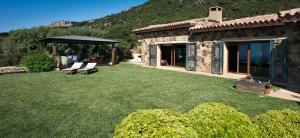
(54, 54)
(113, 51)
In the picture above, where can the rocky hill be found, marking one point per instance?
(163, 11)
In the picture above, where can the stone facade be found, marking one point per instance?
(289, 31)
(161, 37)
(204, 62)
(250, 34)
(204, 56)
(204, 41)
(293, 52)
(280, 30)
(173, 37)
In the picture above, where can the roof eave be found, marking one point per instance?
(137, 31)
(243, 26)
(64, 39)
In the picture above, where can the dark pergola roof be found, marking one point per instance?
(79, 40)
(73, 39)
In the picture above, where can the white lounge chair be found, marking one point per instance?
(73, 69)
(90, 67)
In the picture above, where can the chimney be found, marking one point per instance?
(215, 13)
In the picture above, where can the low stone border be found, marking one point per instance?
(242, 85)
(9, 70)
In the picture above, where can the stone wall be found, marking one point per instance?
(9, 70)
(291, 31)
(257, 33)
(204, 56)
(206, 40)
(176, 35)
(293, 52)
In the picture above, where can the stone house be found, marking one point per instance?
(267, 46)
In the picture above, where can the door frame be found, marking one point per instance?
(228, 45)
(237, 60)
(172, 53)
(238, 57)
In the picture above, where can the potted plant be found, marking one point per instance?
(268, 88)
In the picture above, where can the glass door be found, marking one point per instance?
(174, 55)
(252, 58)
(180, 55)
(260, 59)
(243, 59)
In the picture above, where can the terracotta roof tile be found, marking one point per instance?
(292, 15)
(174, 25)
(291, 12)
(262, 19)
(205, 24)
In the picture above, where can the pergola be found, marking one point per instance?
(55, 41)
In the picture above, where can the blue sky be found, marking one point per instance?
(16, 14)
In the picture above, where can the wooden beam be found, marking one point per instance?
(171, 52)
(113, 56)
(249, 61)
(174, 56)
(238, 60)
(54, 53)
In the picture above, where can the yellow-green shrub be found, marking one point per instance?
(38, 62)
(219, 120)
(279, 124)
(154, 124)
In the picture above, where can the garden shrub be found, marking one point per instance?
(37, 62)
(279, 124)
(219, 120)
(154, 123)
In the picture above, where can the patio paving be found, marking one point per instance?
(286, 94)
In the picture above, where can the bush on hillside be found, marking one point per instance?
(154, 123)
(219, 120)
(38, 62)
(279, 124)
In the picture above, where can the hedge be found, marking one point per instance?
(219, 120)
(210, 120)
(38, 62)
(154, 124)
(279, 124)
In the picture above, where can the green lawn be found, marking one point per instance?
(57, 105)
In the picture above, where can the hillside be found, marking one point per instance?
(119, 26)
(164, 11)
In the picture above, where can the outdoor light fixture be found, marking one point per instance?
(277, 41)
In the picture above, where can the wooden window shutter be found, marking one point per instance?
(191, 56)
(217, 58)
(152, 55)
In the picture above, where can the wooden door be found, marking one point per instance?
(191, 52)
(152, 55)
